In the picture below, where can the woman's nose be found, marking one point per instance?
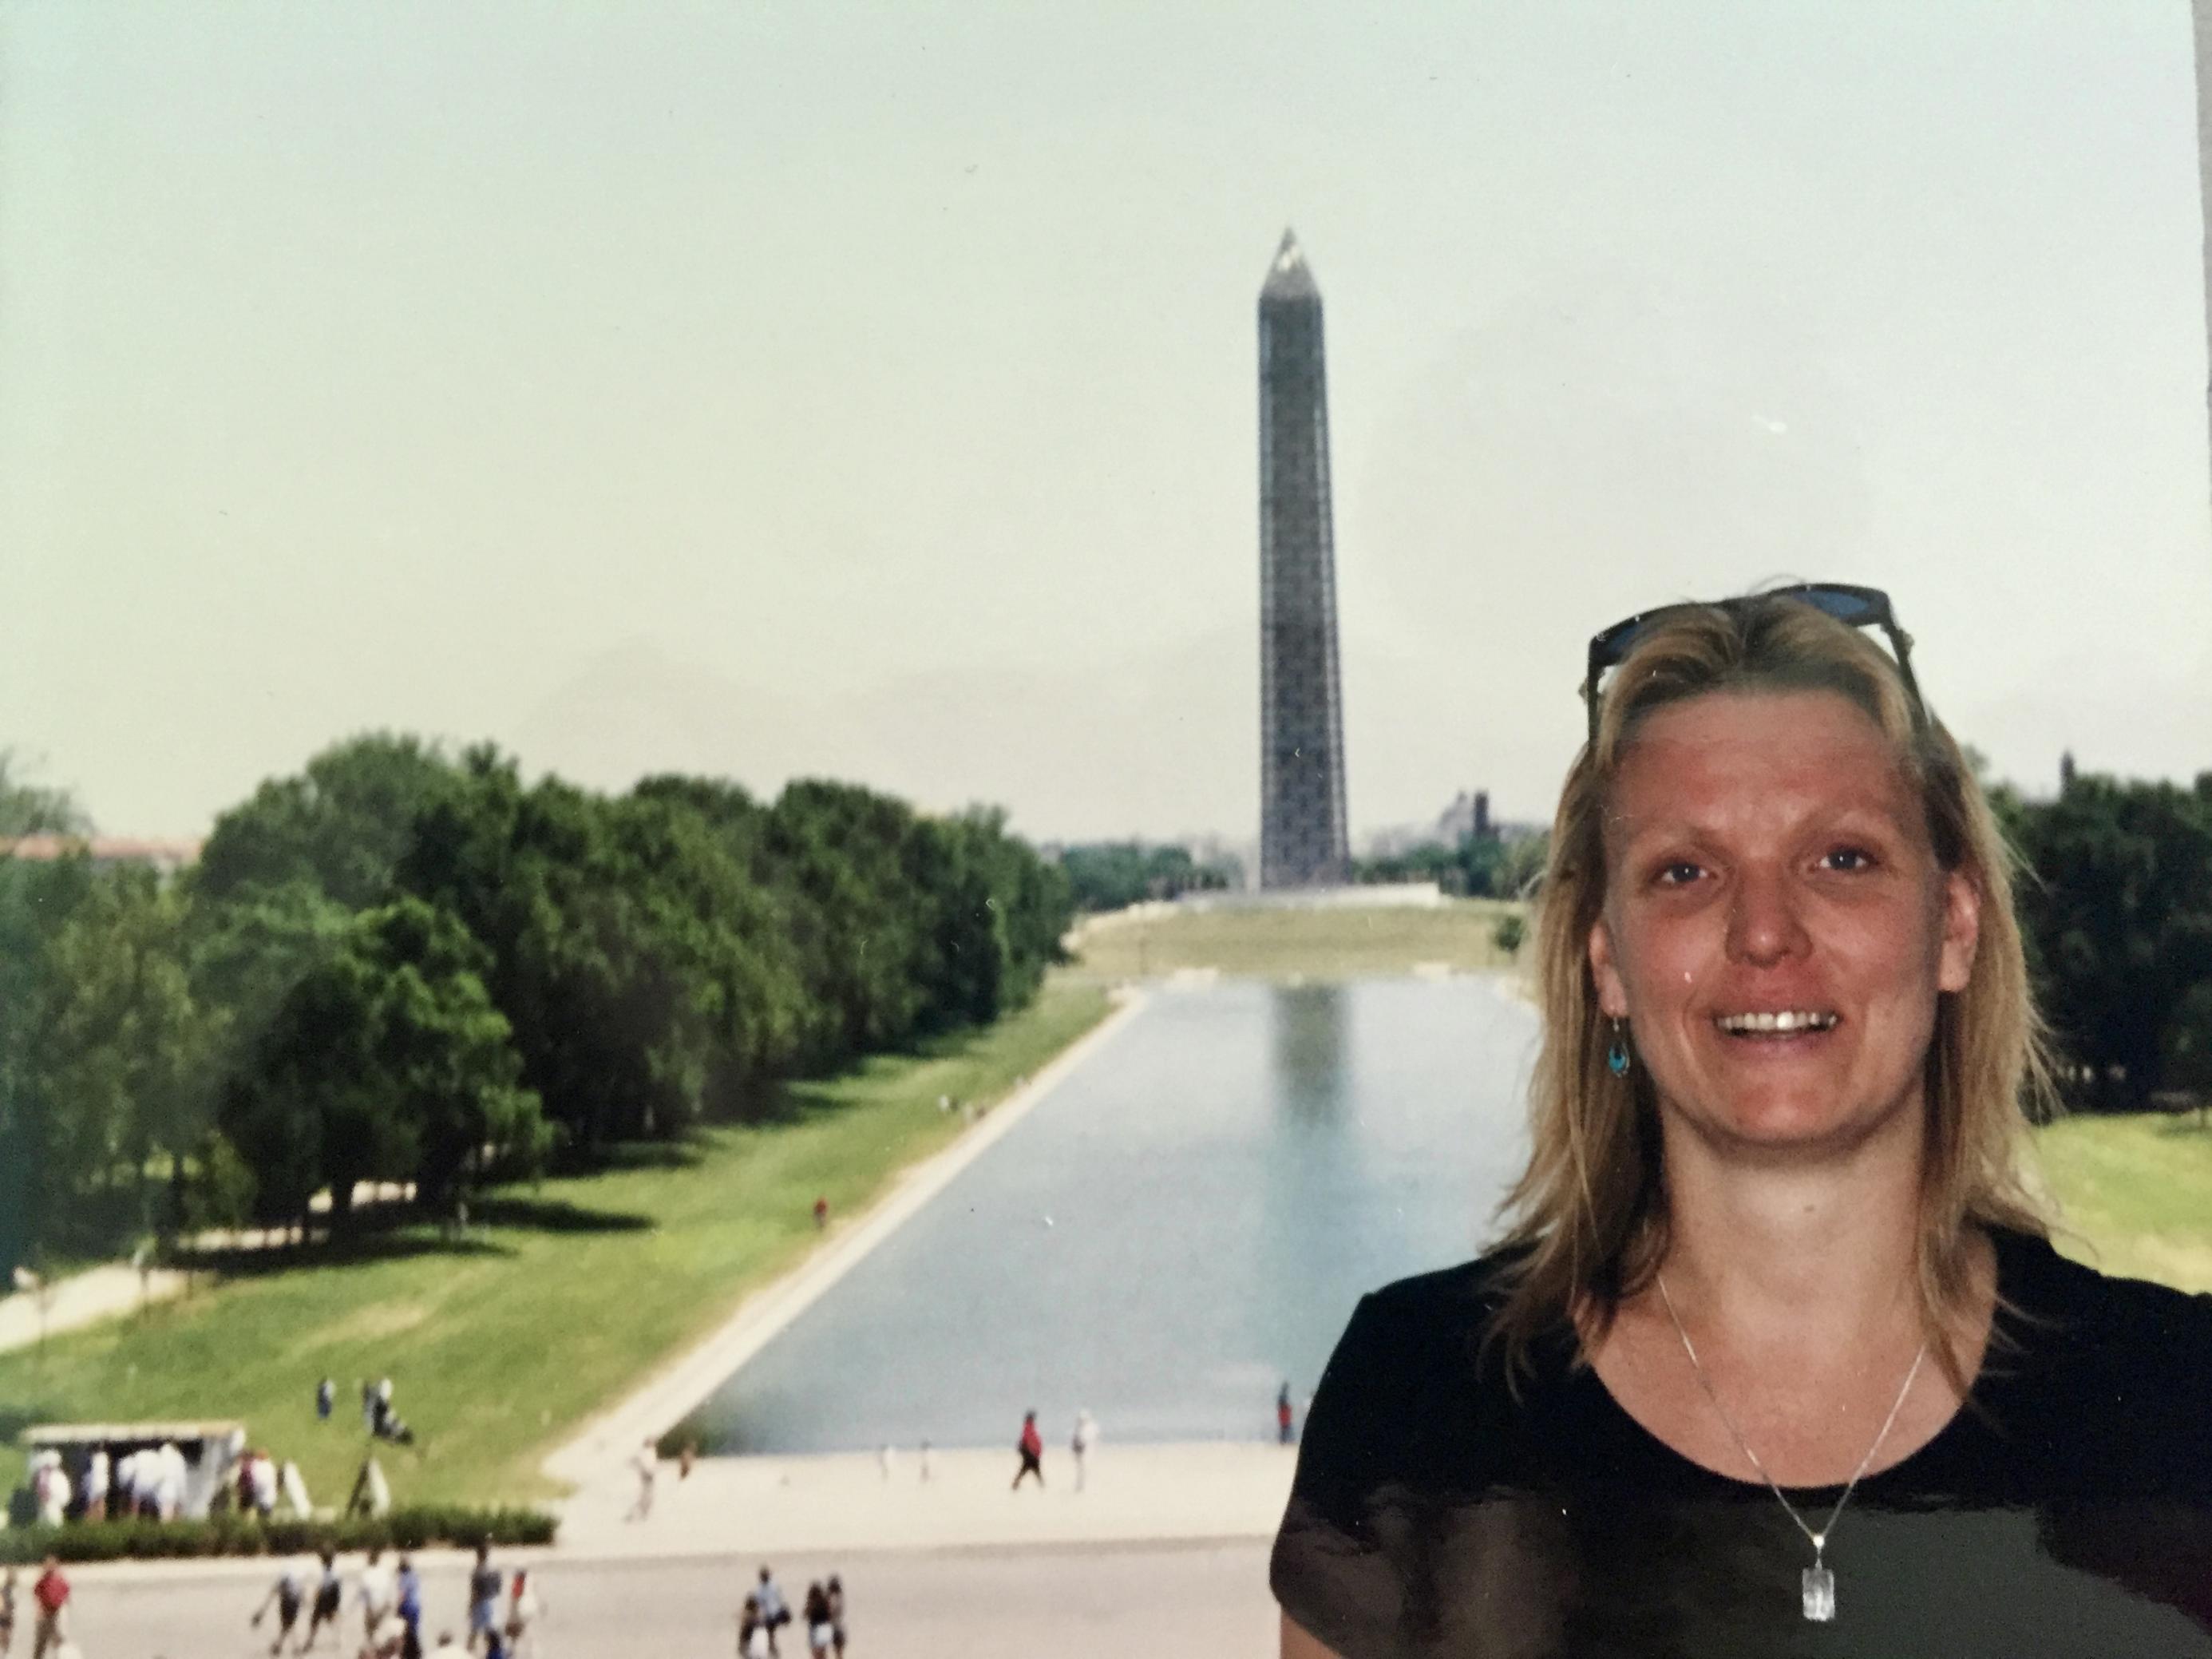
(1764, 925)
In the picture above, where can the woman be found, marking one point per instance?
(819, 1635)
(1775, 1358)
(752, 1631)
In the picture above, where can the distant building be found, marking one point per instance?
(166, 856)
(1303, 839)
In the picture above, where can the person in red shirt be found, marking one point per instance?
(821, 1212)
(51, 1593)
(1031, 1447)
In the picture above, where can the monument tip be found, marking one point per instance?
(1289, 277)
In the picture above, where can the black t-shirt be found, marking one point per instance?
(2066, 1510)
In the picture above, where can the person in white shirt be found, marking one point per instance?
(96, 1485)
(647, 1462)
(53, 1487)
(261, 1471)
(374, 1589)
(1086, 1436)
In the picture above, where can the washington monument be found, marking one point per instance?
(1301, 827)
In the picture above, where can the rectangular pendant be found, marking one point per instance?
(1820, 1594)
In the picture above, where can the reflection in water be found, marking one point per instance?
(1307, 1023)
(1184, 1223)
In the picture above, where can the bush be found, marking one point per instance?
(411, 1528)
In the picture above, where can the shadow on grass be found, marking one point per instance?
(802, 1099)
(358, 1250)
(555, 1216)
(643, 1155)
(2186, 1128)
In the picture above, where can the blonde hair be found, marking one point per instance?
(1588, 1223)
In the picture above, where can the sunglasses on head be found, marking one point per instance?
(1857, 607)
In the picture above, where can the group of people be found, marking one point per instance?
(377, 1416)
(261, 1483)
(822, 1616)
(150, 1481)
(388, 1600)
(1030, 1448)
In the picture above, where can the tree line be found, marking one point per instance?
(399, 965)
(1112, 875)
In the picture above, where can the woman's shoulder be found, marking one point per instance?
(2115, 1369)
(2099, 1315)
(1451, 1294)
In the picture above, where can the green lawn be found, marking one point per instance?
(1323, 943)
(2137, 1192)
(500, 1346)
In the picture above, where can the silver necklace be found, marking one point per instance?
(1817, 1582)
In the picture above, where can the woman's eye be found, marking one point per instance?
(1679, 874)
(1849, 858)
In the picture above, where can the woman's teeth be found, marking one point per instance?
(1787, 1020)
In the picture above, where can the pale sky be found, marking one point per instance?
(757, 389)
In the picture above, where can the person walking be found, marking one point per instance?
(373, 1590)
(287, 1596)
(647, 1462)
(1085, 1437)
(835, 1591)
(1032, 1448)
(775, 1612)
(925, 1461)
(821, 1214)
(330, 1590)
(327, 1398)
(52, 1594)
(483, 1595)
(524, 1610)
(817, 1621)
(752, 1634)
(1283, 1435)
(410, 1593)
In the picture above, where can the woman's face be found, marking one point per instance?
(1775, 925)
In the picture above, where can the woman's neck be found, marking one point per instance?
(1818, 1253)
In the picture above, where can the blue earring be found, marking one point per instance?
(1616, 1057)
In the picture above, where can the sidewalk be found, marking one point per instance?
(1203, 1492)
(597, 1463)
(82, 1299)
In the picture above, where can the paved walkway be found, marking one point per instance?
(1191, 1602)
(81, 1299)
(598, 1462)
(756, 1505)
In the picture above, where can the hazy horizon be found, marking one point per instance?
(871, 394)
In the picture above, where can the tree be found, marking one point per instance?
(30, 809)
(2118, 912)
(386, 1060)
(340, 827)
(1114, 875)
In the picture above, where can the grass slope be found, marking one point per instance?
(570, 1292)
(2138, 1193)
(1330, 942)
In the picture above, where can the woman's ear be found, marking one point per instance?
(1612, 994)
(1962, 931)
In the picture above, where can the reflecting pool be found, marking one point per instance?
(1179, 1228)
